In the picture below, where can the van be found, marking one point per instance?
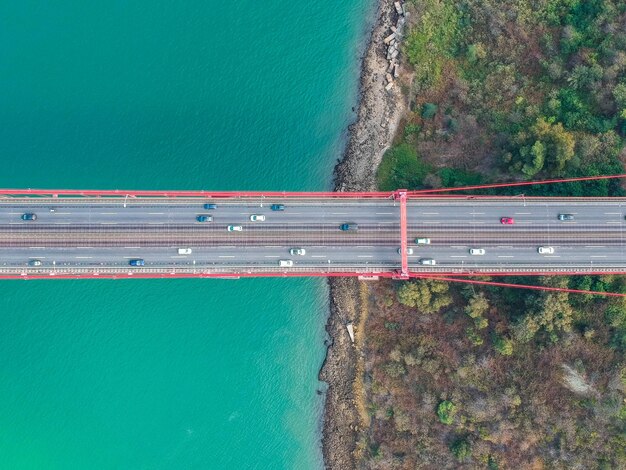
(285, 263)
(184, 251)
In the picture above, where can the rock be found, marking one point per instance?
(389, 87)
(404, 9)
(396, 71)
(393, 29)
(391, 66)
(395, 54)
(389, 38)
(389, 78)
(398, 8)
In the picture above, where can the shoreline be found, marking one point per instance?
(378, 114)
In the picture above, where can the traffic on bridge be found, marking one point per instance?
(113, 234)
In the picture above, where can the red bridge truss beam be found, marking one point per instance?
(518, 183)
(201, 193)
(521, 286)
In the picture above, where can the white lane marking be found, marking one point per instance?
(387, 222)
(15, 223)
(477, 213)
(339, 213)
(62, 223)
(552, 256)
(612, 213)
(364, 246)
(458, 246)
(156, 213)
(178, 257)
(595, 246)
(522, 213)
(295, 213)
(504, 246)
(36, 257)
(108, 223)
(614, 222)
(319, 256)
(431, 222)
(226, 256)
(505, 256)
(430, 213)
(458, 256)
(108, 213)
(477, 222)
(132, 247)
(83, 257)
(63, 213)
(84, 247)
(384, 213)
(273, 246)
(597, 256)
(36, 247)
(270, 256)
(524, 222)
(365, 256)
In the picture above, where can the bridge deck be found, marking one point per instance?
(94, 236)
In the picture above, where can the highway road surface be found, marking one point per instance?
(99, 236)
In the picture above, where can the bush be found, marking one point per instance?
(446, 412)
(429, 110)
(503, 345)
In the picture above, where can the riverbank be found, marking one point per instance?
(381, 105)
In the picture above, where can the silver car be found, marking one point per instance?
(545, 250)
(428, 261)
(298, 251)
(257, 218)
(477, 251)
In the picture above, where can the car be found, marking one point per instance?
(137, 262)
(566, 216)
(235, 228)
(285, 263)
(277, 207)
(409, 251)
(210, 206)
(34, 262)
(428, 261)
(298, 251)
(257, 218)
(507, 221)
(29, 216)
(184, 251)
(349, 226)
(422, 241)
(477, 251)
(545, 250)
(204, 218)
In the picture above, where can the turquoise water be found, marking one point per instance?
(190, 95)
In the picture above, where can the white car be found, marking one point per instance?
(285, 263)
(184, 251)
(545, 250)
(298, 251)
(257, 218)
(409, 250)
(428, 261)
(235, 228)
(477, 251)
(422, 241)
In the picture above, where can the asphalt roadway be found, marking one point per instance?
(81, 235)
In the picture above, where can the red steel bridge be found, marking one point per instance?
(59, 234)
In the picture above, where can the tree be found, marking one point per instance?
(446, 411)
(428, 296)
(477, 305)
(461, 449)
(503, 345)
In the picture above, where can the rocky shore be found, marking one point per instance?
(381, 105)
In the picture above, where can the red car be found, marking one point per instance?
(507, 221)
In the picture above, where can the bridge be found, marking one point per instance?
(169, 234)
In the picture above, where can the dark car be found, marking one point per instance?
(566, 217)
(29, 216)
(348, 226)
(278, 207)
(210, 206)
(34, 262)
(137, 262)
(204, 218)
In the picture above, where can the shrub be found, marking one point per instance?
(401, 168)
(503, 345)
(446, 412)
(429, 110)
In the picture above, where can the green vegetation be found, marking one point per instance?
(486, 377)
(446, 411)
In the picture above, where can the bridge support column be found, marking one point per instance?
(400, 195)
